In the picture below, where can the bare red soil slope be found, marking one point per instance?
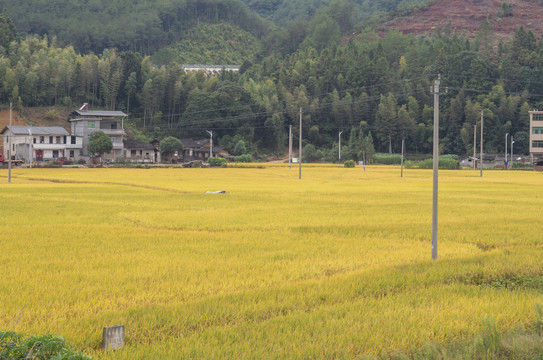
(468, 15)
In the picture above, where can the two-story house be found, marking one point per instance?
(85, 122)
(38, 143)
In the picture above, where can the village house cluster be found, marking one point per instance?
(55, 143)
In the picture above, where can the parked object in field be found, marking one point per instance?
(6, 161)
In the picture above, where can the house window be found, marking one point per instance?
(72, 140)
(50, 139)
(113, 126)
(72, 153)
(537, 130)
(34, 140)
(537, 144)
(55, 154)
(42, 139)
(537, 117)
(91, 124)
(58, 140)
(132, 152)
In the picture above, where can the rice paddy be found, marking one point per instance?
(335, 265)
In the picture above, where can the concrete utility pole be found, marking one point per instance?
(30, 146)
(300, 146)
(289, 146)
(210, 143)
(481, 152)
(435, 168)
(505, 159)
(9, 143)
(339, 156)
(403, 143)
(474, 144)
(512, 142)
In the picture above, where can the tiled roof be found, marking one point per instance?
(36, 130)
(99, 113)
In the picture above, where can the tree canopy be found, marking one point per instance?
(99, 143)
(170, 144)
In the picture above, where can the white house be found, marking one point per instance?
(38, 143)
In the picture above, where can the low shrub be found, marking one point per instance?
(14, 346)
(216, 162)
(387, 159)
(349, 164)
(242, 158)
(445, 163)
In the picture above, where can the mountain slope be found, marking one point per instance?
(211, 44)
(139, 25)
(468, 15)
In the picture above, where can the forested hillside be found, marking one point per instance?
(374, 84)
(211, 44)
(284, 12)
(137, 25)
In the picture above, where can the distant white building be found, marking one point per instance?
(210, 69)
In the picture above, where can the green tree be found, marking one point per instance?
(310, 153)
(170, 144)
(8, 33)
(522, 142)
(99, 143)
(386, 120)
(239, 148)
(367, 149)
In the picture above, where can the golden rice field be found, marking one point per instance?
(336, 265)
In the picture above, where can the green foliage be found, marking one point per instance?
(371, 83)
(387, 159)
(539, 319)
(170, 144)
(240, 148)
(349, 164)
(446, 162)
(242, 158)
(8, 33)
(310, 154)
(51, 114)
(99, 143)
(216, 162)
(211, 44)
(138, 25)
(14, 346)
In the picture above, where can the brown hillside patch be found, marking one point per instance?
(468, 15)
(35, 117)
